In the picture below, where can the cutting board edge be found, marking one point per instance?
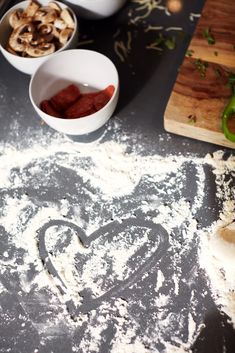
(197, 133)
(224, 58)
(221, 53)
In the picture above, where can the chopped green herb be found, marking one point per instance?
(182, 35)
(217, 72)
(160, 39)
(189, 52)
(209, 36)
(201, 66)
(192, 119)
(215, 53)
(170, 43)
(231, 81)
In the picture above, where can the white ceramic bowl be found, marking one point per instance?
(30, 65)
(95, 9)
(88, 70)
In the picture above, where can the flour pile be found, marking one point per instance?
(217, 251)
(99, 245)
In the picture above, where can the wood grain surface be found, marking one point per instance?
(199, 95)
(219, 16)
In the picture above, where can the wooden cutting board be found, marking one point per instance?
(201, 92)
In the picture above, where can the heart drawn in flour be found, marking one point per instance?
(105, 263)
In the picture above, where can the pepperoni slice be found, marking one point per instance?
(47, 108)
(91, 94)
(71, 104)
(65, 98)
(101, 100)
(109, 90)
(82, 107)
(103, 97)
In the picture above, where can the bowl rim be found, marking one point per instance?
(77, 2)
(53, 118)
(17, 6)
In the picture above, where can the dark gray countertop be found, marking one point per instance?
(146, 80)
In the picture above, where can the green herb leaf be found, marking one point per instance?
(170, 43)
(160, 39)
(217, 72)
(192, 119)
(231, 81)
(189, 52)
(201, 66)
(209, 36)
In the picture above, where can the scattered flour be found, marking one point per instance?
(100, 204)
(217, 250)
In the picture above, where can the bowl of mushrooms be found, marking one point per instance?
(30, 32)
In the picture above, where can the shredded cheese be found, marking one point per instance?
(173, 29)
(85, 42)
(154, 46)
(116, 34)
(148, 6)
(153, 28)
(192, 16)
(121, 49)
(129, 40)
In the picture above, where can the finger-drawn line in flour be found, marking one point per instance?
(157, 236)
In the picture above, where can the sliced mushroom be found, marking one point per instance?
(45, 28)
(65, 15)
(17, 40)
(46, 14)
(46, 31)
(17, 19)
(65, 34)
(31, 9)
(16, 44)
(25, 55)
(56, 33)
(41, 50)
(54, 5)
(60, 24)
(26, 37)
(8, 48)
(37, 39)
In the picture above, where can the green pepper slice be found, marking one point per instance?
(228, 111)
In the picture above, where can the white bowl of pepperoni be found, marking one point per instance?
(75, 91)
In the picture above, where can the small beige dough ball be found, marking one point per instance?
(222, 245)
(174, 5)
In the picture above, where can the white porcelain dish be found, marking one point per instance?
(26, 64)
(95, 9)
(88, 70)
